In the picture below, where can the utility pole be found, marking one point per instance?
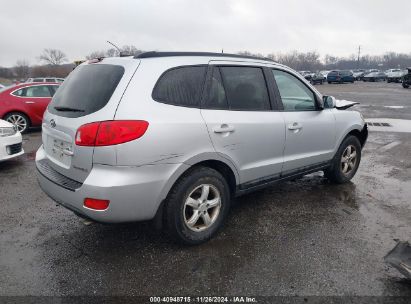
(358, 58)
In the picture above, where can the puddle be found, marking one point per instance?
(394, 125)
(30, 155)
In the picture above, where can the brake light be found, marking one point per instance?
(96, 204)
(86, 134)
(113, 132)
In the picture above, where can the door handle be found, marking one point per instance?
(29, 102)
(295, 126)
(224, 128)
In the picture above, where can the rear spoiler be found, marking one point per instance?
(344, 104)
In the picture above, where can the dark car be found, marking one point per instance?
(307, 74)
(317, 78)
(406, 79)
(375, 76)
(358, 74)
(340, 77)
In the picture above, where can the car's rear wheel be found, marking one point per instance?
(346, 161)
(405, 85)
(20, 120)
(197, 206)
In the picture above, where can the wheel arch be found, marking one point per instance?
(218, 163)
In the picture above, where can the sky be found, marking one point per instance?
(260, 26)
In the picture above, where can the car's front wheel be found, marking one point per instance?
(20, 120)
(197, 206)
(346, 161)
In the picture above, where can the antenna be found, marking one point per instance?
(118, 49)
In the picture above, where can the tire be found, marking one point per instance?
(405, 86)
(329, 82)
(181, 223)
(18, 119)
(344, 161)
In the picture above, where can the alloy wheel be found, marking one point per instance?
(348, 160)
(19, 121)
(202, 207)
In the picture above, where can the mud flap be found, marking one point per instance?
(400, 258)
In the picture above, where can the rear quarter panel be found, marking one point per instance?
(175, 134)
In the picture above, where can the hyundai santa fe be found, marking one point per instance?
(173, 137)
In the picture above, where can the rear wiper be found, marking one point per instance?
(67, 109)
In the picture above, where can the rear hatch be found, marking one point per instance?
(90, 93)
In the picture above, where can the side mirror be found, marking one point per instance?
(329, 102)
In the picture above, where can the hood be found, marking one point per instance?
(5, 124)
(344, 104)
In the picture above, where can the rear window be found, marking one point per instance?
(86, 90)
(181, 86)
(333, 73)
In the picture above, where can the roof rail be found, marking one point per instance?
(154, 54)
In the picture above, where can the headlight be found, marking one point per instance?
(8, 131)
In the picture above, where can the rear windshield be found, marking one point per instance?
(333, 73)
(86, 90)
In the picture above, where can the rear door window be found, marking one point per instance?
(181, 86)
(216, 98)
(245, 88)
(86, 90)
(38, 91)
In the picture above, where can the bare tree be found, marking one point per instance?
(130, 50)
(22, 69)
(53, 56)
(96, 54)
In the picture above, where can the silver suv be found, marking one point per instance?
(174, 136)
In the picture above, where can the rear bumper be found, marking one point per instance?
(135, 193)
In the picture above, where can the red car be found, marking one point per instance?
(24, 104)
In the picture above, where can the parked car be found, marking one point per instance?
(45, 79)
(395, 75)
(23, 105)
(340, 77)
(358, 74)
(324, 73)
(375, 76)
(406, 79)
(307, 74)
(174, 136)
(317, 78)
(10, 141)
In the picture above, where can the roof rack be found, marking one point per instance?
(154, 54)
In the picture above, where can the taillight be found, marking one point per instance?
(86, 134)
(96, 204)
(113, 132)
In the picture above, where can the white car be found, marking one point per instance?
(10, 141)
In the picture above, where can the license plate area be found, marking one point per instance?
(59, 151)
